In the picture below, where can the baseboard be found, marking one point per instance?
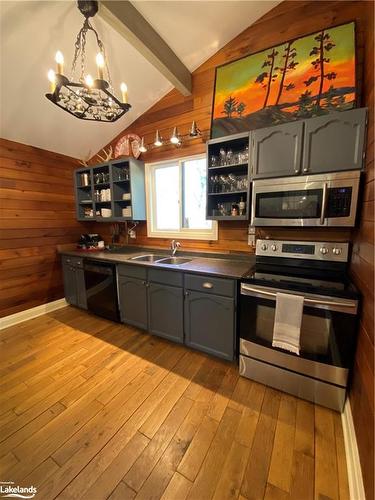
(356, 489)
(14, 319)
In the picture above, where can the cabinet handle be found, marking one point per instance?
(187, 293)
(206, 284)
(144, 283)
(306, 169)
(68, 261)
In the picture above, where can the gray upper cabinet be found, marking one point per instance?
(334, 142)
(277, 151)
(124, 179)
(133, 301)
(165, 311)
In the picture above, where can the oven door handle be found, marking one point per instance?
(346, 304)
(324, 203)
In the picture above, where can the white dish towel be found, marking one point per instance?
(287, 325)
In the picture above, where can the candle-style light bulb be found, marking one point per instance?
(175, 139)
(52, 79)
(124, 92)
(59, 58)
(158, 140)
(89, 81)
(143, 147)
(100, 65)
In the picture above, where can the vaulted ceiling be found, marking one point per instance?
(31, 33)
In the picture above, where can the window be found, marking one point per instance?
(176, 200)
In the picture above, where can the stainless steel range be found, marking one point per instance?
(313, 274)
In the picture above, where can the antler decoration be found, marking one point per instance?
(85, 161)
(107, 154)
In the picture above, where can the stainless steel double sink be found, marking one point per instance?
(161, 259)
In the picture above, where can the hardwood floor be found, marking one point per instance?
(95, 410)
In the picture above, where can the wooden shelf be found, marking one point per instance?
(227, 217)
(123, 180)
(102, 184)
(227, 193)
(228, 166)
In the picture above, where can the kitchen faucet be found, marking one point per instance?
(175, 245)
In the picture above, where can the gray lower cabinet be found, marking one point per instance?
(276, 151)
(74, 284)
(133, 301)
(209, 323)
(334, 142)
(165, 311)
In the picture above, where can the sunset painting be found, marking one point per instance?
(298, 79)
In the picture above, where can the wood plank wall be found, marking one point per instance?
(288, 20)
(362, 266)
(37, 213)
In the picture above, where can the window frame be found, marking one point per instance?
(183, 233)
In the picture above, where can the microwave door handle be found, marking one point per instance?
(307, 301)
(324, 203)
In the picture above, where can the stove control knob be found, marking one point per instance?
(273, 248)
(264, 247)
(323, 250)
(336, 251)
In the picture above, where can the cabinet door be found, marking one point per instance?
(276, 151)
(209, 323)
(334, 142)
(80, 288)
(133, 301)
(165, 311)
(70, 284)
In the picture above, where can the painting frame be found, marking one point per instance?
(356, 91)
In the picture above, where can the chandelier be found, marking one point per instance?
(87, 98)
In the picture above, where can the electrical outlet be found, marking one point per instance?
(132, 234)
(251, 240)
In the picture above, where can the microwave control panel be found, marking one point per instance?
(331, 251)
(339, 201)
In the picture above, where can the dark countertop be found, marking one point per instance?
(227, 266)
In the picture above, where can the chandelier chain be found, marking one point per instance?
(80, 50)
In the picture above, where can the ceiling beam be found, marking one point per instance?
(127, 21)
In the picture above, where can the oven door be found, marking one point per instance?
(328, 333)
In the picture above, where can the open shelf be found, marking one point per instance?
(123, 177)
(234, 174)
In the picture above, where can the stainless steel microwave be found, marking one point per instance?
(310, 200)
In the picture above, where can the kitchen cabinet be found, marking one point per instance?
(123, 183)
(209, 314)
(165, 311)
(330, 143)
(209, 323)
(133, 301)
(334, 142)
(276, 151)
(228, 177)
(74, 282)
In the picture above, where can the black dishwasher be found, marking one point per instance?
(101, 289)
